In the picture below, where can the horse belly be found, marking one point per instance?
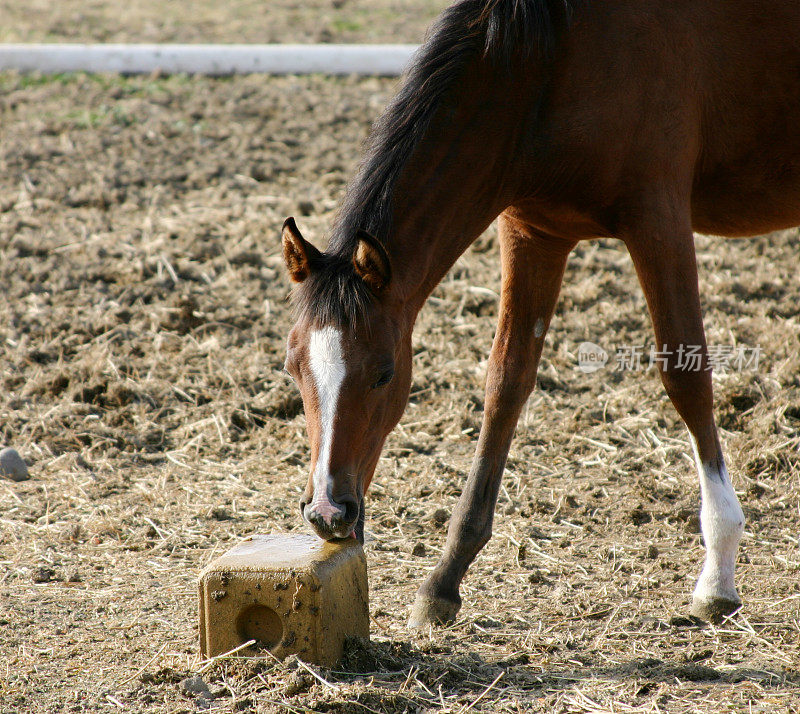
(747, 202)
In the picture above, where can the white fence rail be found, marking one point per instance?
(206, 59)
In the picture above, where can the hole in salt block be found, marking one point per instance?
(261, 624)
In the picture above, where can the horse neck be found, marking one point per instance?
(460, 177)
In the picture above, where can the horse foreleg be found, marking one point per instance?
(666, 265)
(532, 269)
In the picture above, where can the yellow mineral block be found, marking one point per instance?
(289, 593)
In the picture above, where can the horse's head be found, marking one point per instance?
(350, 356)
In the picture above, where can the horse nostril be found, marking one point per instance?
(351, 509)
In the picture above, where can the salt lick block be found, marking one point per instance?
(291, 593)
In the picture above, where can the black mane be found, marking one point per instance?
(495, 29)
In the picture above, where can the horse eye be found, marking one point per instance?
(384, 379)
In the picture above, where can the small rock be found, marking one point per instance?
(195, 685)
(419, 550)
(12, 465)
(258, 173)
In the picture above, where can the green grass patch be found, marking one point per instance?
(347, 25)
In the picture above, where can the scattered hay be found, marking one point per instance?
(143, 338)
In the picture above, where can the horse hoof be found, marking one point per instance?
(714, 609)
(432, 611)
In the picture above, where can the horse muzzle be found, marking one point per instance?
(334, 519)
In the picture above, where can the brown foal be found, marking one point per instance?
(637, 119)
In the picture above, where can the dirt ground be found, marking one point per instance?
(142, 324)
(253, 21)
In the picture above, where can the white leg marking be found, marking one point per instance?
(722, 521)
(328, 368)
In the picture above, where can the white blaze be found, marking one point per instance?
(328, 369)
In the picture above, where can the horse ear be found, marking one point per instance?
(300, 256)
(371, 262)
